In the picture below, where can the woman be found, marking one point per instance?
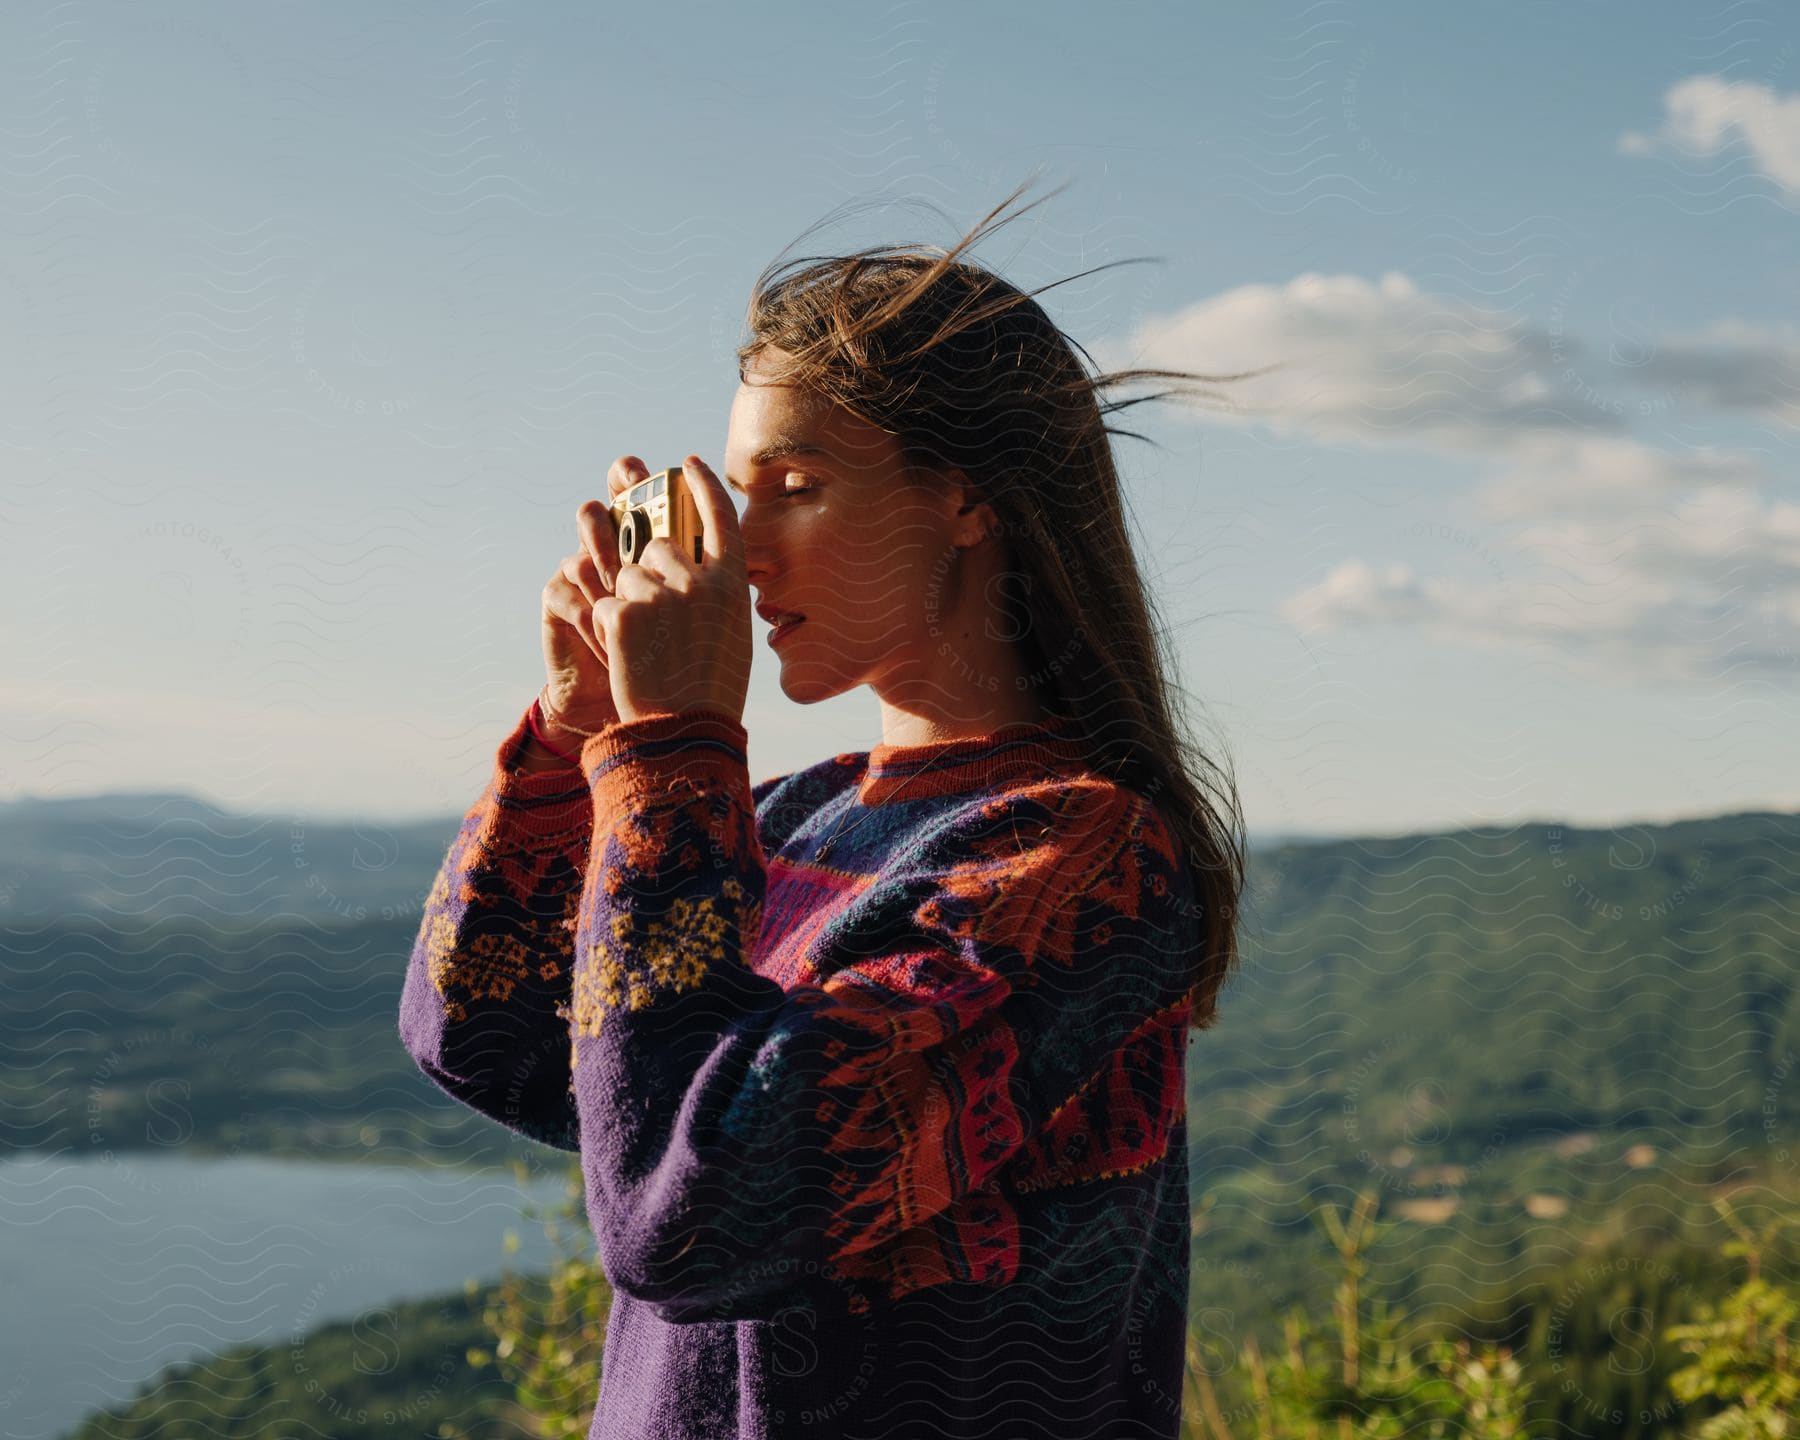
(876, 1069)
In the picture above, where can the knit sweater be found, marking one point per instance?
(887, 1144)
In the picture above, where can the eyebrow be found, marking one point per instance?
(780, 449)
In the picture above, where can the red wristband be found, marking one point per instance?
(534, 719)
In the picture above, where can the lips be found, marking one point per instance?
(781, 621)
(784, 625)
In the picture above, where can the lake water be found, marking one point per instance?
(111, 1269)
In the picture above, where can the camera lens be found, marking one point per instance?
(634, 535)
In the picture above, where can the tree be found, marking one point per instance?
(1744, 1347)
(550, 1330)
(1359, 1377)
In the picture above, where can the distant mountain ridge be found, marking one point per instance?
(1446, 1001)
(150, 855)
(146, 857)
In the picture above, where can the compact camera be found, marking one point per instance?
(662, 505)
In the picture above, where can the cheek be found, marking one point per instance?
(873, 570)
(851, 556)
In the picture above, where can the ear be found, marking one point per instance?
(975, 519)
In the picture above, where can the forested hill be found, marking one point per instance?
(1450, 995)
(1464, 993)
(145, 858)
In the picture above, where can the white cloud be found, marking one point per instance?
(1386, 363)
(1610, 478)
(1732, 365)
(1642, 563)
(1703, 113)
(1628, 557)
(1375, 362)
(1356, 593)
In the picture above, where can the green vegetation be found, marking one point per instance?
(274, 1041)
(1622, 1346)
(1360, 1374)
(391, 1370)
(1602, 1355)
(548, 1331)
(1445, 998)
(1745, 1351)
(1558, 1059)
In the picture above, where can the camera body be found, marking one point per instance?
(661, 505)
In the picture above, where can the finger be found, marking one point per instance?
(581, 572)
(599, 538)
(574, 609)
(622, 474)
(641, 581)
(722, 541)
(663, 559)
(603, 620)
(597, 530)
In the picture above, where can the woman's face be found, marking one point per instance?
(838, 534)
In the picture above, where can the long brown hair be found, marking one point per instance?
(968, 373)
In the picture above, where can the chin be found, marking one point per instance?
(809, 690)
(810, 683)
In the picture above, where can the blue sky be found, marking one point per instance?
(320, 320)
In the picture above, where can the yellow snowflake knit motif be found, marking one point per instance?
(669, 955)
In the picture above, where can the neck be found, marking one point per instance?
(925, 720)
(960, 680)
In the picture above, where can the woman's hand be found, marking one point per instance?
(677, 634)
(577, 698)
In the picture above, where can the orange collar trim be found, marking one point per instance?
(957, 767)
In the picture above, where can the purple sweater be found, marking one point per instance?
(889, 1144)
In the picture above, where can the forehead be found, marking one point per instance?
(770, 421)
(760, 411)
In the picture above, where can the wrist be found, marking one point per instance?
(552, 744)
(535, 759)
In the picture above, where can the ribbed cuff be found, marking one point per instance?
(637, 762)
(549, 804)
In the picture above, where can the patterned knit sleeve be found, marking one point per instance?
(484, 1009)
(1030, 995)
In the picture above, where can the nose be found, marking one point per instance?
(758, 559)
